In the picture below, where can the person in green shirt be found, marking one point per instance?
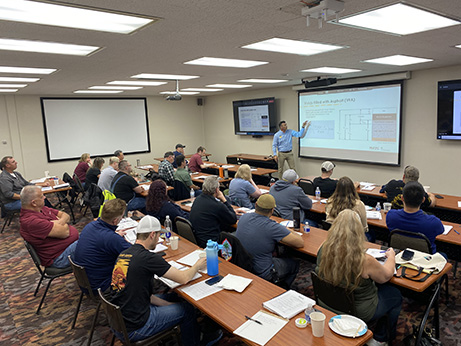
(183, 175)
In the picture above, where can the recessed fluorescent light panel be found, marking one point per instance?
(46, 47)
(223, 62)
(28, 70)
(182, 93)
(115, 87)
(282, 45)
(70, 17)
(98, 91)
(458, 46)
(399, 19)
(8, 90)
(13, 85)
(163, 76)
(332, 70)
(141, 83)
(229, 86)
(398, 60)
(19, 79)
(268, 81)
(201, 89)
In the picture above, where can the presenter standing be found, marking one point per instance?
(283, 144)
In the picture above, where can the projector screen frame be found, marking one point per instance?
(358, 85)
(45, 130)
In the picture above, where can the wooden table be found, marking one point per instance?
(228, 308)
(186, 156)
(265, 161)
(234, 168)
(61, 197)
(144, 192)
(200, 181)
(153, 166)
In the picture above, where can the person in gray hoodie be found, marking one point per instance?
(288, 195)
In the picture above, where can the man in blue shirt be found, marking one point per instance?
(283, 143)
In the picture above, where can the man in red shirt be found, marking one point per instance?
(196, 164)
(46, 229)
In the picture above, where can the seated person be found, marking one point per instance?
(82, 167)
(159, 205)
(92, 174)
(124, 186)
(11, 184)
(146, 314)
(119, 155)
(260, 235)
(346, 197)
(196, 164)
(100, 244)
(183, 175)
(393, 189)
(326, 185)
(411, 218)
(211, 213)
(361, 273)
(165, 169)
(289, 195)
(108, 174)
(46, 229)
(242, 187)
(179, 150)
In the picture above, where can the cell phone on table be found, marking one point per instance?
(438, 196)
(407, 255)
(214, 280)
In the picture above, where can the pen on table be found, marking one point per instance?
(252, 319)
(456, 231)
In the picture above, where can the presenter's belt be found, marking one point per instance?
(286, 152)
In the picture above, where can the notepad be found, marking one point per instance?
(174, 284)
(60, 186)
(288, 304)
(446, 229)
(35, 181)
(191, 258)
(263, 191)
(261, 333)
(200, 290)
(374, 215)
(47, 188)
(234, 282)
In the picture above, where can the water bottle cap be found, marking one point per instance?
(168, 217)
(210, 243)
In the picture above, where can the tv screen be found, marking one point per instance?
(358, 123)
(255, 117)
(449, 110)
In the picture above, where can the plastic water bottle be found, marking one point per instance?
(307, 227)
(378, 206)
(308, 311)
(212, 262)
(192, 193)
(167, 228)
(317, 193)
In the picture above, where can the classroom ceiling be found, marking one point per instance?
(217, 28)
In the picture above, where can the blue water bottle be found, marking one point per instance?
(212, 248)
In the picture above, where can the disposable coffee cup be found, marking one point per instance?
(318, 323)
(174, 241)
(387, 206)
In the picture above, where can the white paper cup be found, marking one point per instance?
(387, 206)
(426, 188)
(318, 323)
(174, 242)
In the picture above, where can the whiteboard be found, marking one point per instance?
(98, 126)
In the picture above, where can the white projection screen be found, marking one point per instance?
(358, 123)
(98, 126)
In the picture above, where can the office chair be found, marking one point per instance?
(8, 215)
(307, 185)
(185, 229)
(400, 239)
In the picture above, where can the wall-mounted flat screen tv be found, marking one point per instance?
(449, 110)
(256, 117)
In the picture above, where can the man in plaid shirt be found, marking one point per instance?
(166, 169)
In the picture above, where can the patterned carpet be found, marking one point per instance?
(19, 325)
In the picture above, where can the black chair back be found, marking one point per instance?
(307, 185)
(80, 188)
(276, 213)
(335, 298)
(114, 317)
(185, 229)
(240, 256)
(35, 257)
(180, 191)
(82, 278)
(400, 239)
(326, 225)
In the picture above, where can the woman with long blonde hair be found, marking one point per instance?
(346, 197)
(242, 187)
(342, 261)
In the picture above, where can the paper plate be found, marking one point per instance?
(352, 319)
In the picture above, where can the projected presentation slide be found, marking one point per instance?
(457, 112)
(254, 118)
(354, 123)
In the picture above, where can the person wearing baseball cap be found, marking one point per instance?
(260, 235)
(131, 288)
(289, 195)
(326, 185)
(179, 150)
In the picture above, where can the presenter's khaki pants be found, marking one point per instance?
(288, 157)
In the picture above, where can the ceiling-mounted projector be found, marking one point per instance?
(176, 97)
(319, 82)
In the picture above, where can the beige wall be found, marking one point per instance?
(438, 161)
(22, 128)
(212, 125)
